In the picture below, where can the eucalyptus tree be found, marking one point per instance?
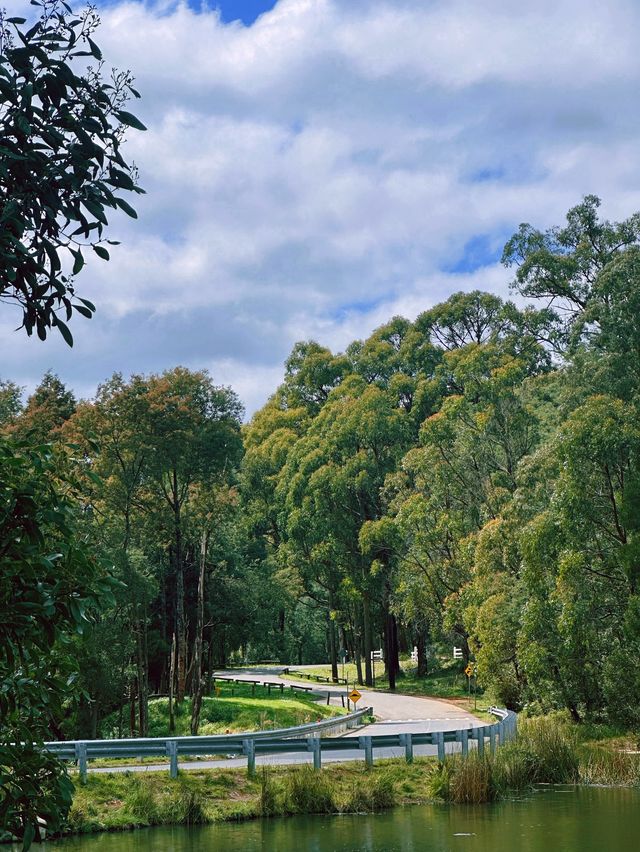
(191, 429)
(331, 486)
(562, 264)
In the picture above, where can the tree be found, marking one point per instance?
(191, 430)
(10, 403)
(61, 165)
(49, 584)
(561, 265)
(47, 409)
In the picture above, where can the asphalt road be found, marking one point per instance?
(395, 714)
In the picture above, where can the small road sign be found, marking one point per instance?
(469, 670)
(355, 696)
(457, 653)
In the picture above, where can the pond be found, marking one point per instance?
(553, 819)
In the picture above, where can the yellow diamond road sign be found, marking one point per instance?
(354, 695)
(469, 670)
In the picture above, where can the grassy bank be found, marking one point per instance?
(122, 800)
(236, 708)
(548, 750)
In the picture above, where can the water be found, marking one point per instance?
(558, 819)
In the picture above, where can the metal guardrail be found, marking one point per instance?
(317, 678)
(84, 750)
(304, 738)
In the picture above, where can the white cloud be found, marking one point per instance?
(320, 171)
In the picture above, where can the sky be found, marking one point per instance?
(315, 167)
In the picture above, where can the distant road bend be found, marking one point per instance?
(395, 714)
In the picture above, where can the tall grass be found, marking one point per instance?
(304, 791)
(600, 765)
(546, 751)
(464, 780)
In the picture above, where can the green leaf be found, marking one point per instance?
(95, 50)
(101, 252)
(128, 209)
(130, 120)
(64, 331)
(78, 262)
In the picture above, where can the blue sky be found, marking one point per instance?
(244, 10)
(314, 167)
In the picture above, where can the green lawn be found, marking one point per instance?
(235, 709)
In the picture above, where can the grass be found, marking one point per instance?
(547, 750)
(235, 709)
(124, 800)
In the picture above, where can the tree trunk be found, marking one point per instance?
(181, 631)
(333, 651)
(142, 680)
(197, 679)
(172, 676)
(132, 709)
(368, 638)
(389, 663)
(94, 718)
(421, 645)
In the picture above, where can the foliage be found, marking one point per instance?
(49, 585)
(61, 162)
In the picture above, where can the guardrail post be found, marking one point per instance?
(502, 732)
(479, 734)
(249, 748)
(492, 739)
(367, 745)
(406, 740)
(464, 740)
(172, 751)
(313, 744)
(81, 757)
(440, 741)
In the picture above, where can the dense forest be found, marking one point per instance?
(471, 477)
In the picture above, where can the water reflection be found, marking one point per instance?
(561, 819)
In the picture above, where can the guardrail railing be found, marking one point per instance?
(84, 750)
(304, 738)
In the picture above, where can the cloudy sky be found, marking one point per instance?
(314, 167)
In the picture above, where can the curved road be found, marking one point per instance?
(395, 714)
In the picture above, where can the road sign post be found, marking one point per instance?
(469, 672)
